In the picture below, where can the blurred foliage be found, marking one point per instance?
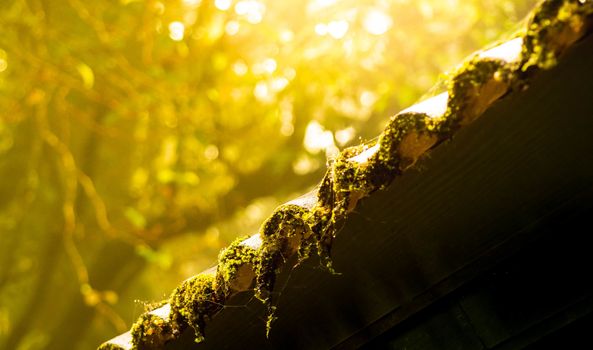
(138, 137)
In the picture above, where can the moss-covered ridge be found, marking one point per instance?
(308, 224)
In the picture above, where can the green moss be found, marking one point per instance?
(554, 26)
(321, 223)
(151, 332)
(389, 162)
(323, 228)
(286, 227)
(464, 90)
(277, 234)
(194, 302)
(325, 192)
(230, 260)
(349, 177)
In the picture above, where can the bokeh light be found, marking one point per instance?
(3, 61)
(176, 30)
(223, 5)
(377, 22)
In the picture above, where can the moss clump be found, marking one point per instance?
(325, 192)
(322, 223)
(194, 302)
(233, 260)
(474, 86)
(110, 346)
(151, 332)
(350, 180)
(282, 235)
(389, 161)
(553, 27)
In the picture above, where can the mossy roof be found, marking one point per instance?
(309, 225)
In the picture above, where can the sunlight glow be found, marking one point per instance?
(345, 135)
(426, 10)
(211, 152)
(286, 118)
(254, 212)
(278, 84)
(254, 241)
(263, 93)
(316, 5)
(434, 107)
(286, 36)
(190, 17)
(86, 73)
(269, 65)
(289, 73)
(223, 5)
(252, 10)
(377, 22)
(192, 3)
(240, 68)
(510, 51)
(266, 91)
(287, 129)
(337, 29)
(317, 138)
(364, 156)
(368, 98)
(305, 164)
(176, 30)
(232, 27)
(321, 29)
(3, 61)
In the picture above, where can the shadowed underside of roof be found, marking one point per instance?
(307, 226)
